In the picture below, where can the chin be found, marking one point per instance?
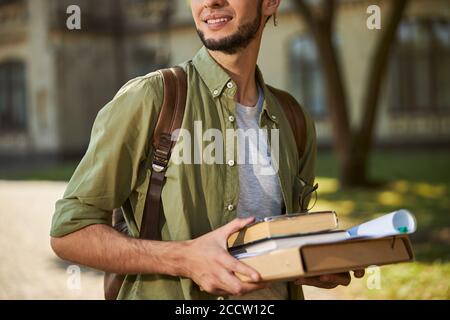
(215, 39)
(216, 35)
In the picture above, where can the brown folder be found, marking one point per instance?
(329, 258)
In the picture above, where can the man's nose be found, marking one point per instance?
(214, 3)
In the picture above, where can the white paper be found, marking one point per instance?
(244, 255)
(291, 242)
(394, 223)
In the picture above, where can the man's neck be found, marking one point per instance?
(241, 67)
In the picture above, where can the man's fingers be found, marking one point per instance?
(236, 225)
(306, 281)
(249, 287)
(359, 273)
(342, 279)
(236, 266)
(328, 281)
(231, 284)
(315, 282)
(235, 286)
(216, 292)
(225, 283)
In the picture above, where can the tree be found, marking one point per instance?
(152, 15)
(352, 145)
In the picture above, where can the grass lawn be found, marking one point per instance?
(416, 180)
(60, 172)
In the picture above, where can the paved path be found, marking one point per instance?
(28, 267)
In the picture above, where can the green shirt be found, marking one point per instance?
(196, 199)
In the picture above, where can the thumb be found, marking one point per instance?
(236, 225)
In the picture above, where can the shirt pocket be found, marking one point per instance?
(302, 191)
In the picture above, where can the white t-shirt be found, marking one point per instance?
(260, 192)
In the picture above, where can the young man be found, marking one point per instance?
(225, 91)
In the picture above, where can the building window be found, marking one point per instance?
(419, 77)
(305, 76)
(2, 2)
(12, 97)
(146, 60)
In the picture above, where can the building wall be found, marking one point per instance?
(13, 47)
(356, 43)
(27, 42)
(86, 81)
(43, 105)
(71, 75)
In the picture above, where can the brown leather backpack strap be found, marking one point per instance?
(296, 117)
(170, 119)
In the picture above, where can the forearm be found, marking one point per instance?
(103, 248)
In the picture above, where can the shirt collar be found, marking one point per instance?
(270, 104)
(211, 72)
(216, 79)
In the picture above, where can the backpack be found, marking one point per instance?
(169, 120)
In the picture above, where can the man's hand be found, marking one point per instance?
(329, 281)
(209, 264)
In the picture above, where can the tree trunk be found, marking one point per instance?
(352, 148)
(321, 27)
(363, 141)
(336, 99)
(119, 43)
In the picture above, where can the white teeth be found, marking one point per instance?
(213, 21)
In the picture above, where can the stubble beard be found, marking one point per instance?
(237, 41)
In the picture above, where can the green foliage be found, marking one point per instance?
(410, 281)
(60, 172)
(418, 181)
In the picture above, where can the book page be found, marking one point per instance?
(289, 242)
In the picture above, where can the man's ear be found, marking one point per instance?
(270, 7)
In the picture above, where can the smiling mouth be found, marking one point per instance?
(217, 20)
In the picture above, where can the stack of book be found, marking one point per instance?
(286, 247)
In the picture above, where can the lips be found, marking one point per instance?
(217, 20)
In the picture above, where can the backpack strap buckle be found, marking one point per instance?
(162, 153)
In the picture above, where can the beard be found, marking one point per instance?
(236, 42)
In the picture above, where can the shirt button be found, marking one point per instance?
(231, 163)
(229, 85)
(230, 207)
(274, 117)
(216, 92)
(220, 298)
(231, 118)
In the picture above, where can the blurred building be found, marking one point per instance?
(54, 80)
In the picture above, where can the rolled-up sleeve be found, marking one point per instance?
(108, 172)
